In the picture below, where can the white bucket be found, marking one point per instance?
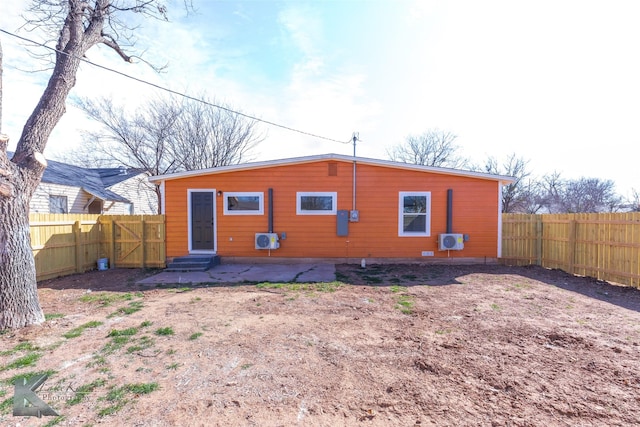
(103, 264)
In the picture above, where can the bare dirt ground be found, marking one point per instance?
(402, 345)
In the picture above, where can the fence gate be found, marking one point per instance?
(136, 241)
(128, 236)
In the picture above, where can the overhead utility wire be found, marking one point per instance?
(178, 93)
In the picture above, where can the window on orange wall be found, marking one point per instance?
(316, 203)
(414, 213)
(243, 203)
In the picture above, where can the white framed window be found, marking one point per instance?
(414, 213)
(243, 203)
(316, 203)
(58, 204)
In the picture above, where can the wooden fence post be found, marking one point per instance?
(571, 253)
(77, 238)
(538, 240)
(143, 244)
(112, 245)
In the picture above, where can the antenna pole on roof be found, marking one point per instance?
(356, 137)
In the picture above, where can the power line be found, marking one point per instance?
(174, 92)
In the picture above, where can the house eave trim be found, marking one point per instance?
(333, 157)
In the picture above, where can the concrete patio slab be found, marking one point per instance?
(234, 273)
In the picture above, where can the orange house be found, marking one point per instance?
(333, 206)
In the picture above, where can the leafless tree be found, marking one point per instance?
(533, 199)
(431, 148)
(588, 195)
(140, 140)
(165, 135)
(583, 195)
(634, 202)
(78, 26)
(208, 137)
(519, 196)
(552, 191)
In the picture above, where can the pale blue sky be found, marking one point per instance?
(556, 82)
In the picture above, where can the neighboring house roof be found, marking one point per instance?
(333, 157)
(113, 176)
(89, 180)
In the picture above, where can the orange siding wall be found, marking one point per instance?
(475, 212)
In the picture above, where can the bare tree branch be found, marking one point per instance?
(588, 195)
(165, 135)
(516, 197)
(634, 202)
(432, 148)
(77, 26)
(109, 42)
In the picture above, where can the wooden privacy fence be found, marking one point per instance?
(605, 246)
(64, 244)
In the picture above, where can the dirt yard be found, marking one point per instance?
(386, 345)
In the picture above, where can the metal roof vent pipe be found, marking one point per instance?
(270, 218)
(449, 211)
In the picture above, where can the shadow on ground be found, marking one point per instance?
(408, 275)
(447, 275)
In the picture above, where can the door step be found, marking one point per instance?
(193, 263)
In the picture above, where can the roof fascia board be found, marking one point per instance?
(336, 157)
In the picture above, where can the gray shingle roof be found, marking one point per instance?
(112, 176)
(89, 180)
(74, 176)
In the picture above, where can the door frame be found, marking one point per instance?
(215, 221)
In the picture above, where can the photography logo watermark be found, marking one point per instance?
(25, 401)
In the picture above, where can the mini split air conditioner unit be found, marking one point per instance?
(450, 242)
(267, 241)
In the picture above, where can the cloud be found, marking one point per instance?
(553, 82)
(321, 94)
(302, 27)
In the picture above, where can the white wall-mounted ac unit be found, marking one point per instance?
(267, 241)
(450, 242)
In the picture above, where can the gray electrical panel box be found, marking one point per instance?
(342, 223)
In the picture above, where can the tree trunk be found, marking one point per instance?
(19, 177)
(159, 198)
(19, 304)
(0, 87)
(82, 27)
